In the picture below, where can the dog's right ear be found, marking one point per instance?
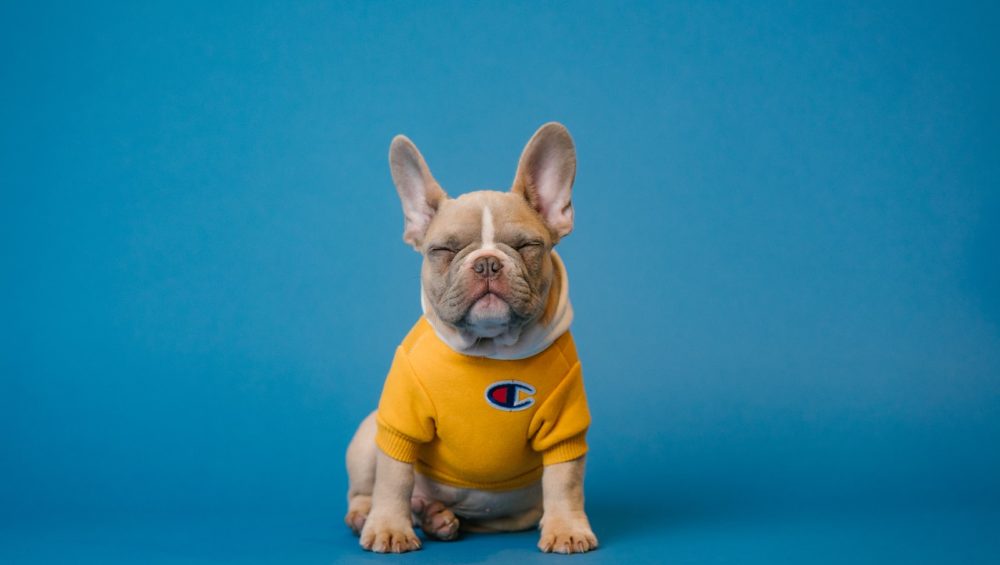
(419, 192)
(545, 176)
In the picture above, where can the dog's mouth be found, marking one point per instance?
(488, 299)
(484, 307)
(490, 291)
(489, 309)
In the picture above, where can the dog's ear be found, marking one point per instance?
(545, 176)
(419, 192)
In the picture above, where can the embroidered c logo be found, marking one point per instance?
(510, 396)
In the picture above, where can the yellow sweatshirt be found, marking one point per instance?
(482, 423)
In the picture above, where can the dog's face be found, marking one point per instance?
(487, 267)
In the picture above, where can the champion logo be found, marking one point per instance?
(510, 396)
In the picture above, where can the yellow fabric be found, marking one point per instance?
(434, 413)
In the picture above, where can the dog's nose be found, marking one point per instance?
(487, 266)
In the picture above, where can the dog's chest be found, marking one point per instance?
(482, 423)
(485, 423)
(492, 402)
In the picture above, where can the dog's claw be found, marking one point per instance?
(567, 536)
(385, 538)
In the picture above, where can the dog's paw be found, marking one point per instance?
(567, 534)
(389, 535)
(357, 513)
(439, 522)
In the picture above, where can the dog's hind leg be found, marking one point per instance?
(361, 474)
(435, 519)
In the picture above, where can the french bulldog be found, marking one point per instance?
(482, 419)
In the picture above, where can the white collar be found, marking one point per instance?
(535, 340)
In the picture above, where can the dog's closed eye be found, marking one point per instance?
(442, 253)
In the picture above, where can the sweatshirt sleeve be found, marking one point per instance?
(559, 428)
(405, 413)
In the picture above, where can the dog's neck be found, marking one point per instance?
(513, 344)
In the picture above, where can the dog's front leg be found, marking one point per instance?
(565, 528)
(389, 526)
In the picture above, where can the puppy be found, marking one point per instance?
(483, 418)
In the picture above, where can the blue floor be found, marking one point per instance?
(865, 537)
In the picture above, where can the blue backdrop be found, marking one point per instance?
(785, 267)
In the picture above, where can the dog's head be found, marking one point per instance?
(488, 266)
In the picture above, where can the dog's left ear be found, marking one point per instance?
(545, 176)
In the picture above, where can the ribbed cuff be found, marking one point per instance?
(396, 445)
(572, 448)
